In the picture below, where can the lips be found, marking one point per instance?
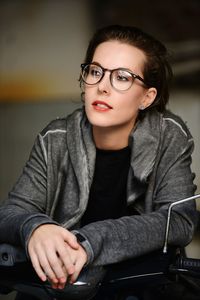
(101, 105)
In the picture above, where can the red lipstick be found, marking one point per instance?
(101, 106)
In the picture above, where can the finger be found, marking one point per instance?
(61, 284)
(71, 239)
(56, 270)
(78, 267)
(44, 260)
(75, 275)
(81, 259)
(66, 258)
(37, 267)
(42, 268)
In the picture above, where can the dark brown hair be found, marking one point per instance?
(157, 70)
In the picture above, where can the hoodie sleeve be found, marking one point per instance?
(25, 208)
(113, 241)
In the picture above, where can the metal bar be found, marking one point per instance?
(169, 216)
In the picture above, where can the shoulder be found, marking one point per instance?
(54, 127)
(173, 125)
(59, 126)
(53, 139)
(166, 129)
(165, 123)
(175, 135)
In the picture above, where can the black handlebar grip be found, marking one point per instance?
(190, 264)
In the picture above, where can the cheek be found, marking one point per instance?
(131, 101)
(88, 99)
(89, 94)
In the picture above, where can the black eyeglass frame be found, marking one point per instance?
(134, 76)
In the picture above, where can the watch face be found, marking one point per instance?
(80, 238)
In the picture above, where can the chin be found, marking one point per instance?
(99, 123)
(103, 120)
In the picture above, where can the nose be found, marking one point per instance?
(104, 85)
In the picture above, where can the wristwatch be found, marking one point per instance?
(85, 244)
(80, 238)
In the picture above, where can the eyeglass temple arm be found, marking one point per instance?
(169, 216)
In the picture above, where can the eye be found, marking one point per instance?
(122, 75)
(95, 71)
(122, 78)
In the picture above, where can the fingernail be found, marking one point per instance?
(61, 286)
(62, 279)
(43, 278)
(55, 280)
(71, 270)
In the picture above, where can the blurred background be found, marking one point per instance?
(43, 43)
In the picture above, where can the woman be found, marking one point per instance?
(98, 183)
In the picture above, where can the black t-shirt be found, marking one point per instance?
(107, 199)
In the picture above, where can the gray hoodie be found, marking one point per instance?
(55, 183)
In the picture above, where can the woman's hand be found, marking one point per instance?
(54, 253)
(79, 257)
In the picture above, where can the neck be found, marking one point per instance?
(111, 138)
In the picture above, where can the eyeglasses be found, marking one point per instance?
(121, 79)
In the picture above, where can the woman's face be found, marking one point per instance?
(106, 106)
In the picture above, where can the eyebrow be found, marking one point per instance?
(118, 68)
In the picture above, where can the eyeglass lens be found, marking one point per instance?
(120, 79)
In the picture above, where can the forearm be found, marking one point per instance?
(16, 224)
(117, 240)
(25, 207)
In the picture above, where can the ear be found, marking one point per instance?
(149, 97)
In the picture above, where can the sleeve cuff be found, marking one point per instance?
(83, 241)
(30, 224)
